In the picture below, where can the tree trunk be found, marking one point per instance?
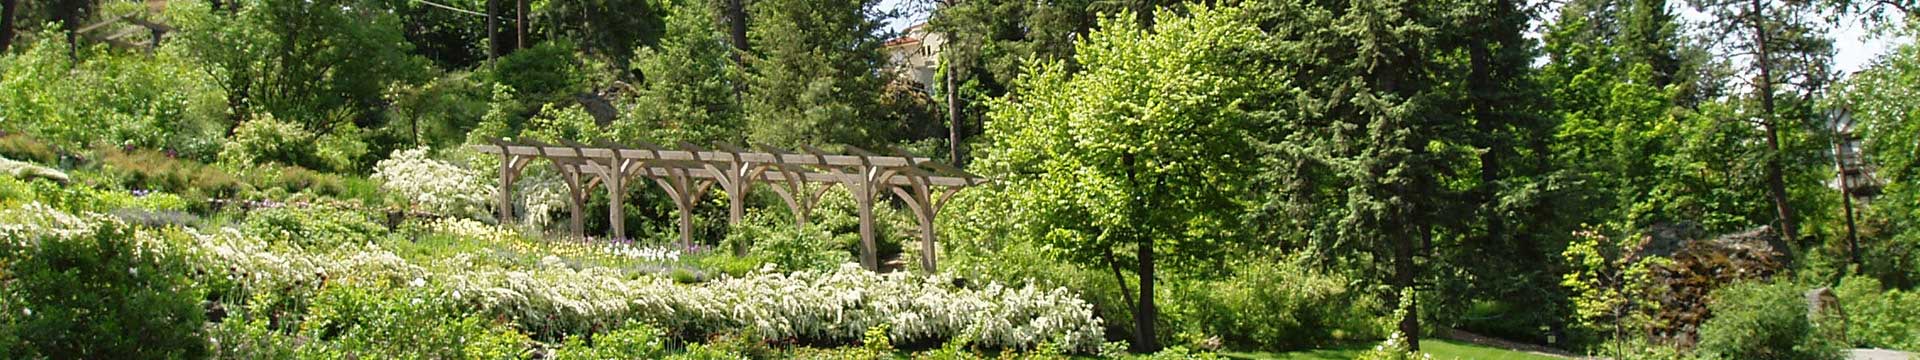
(735, 12)
(1481, 90)
(1403, 279)
(520, 24)
(7, 9)
(953, 110)
(1776, 174)
(493, 29)
(1145, 314)
(737, 27)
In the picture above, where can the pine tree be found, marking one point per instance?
(686, 90)
(817, 78)
(1785, 56)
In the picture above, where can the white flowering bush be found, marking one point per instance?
(433, 185)
(553, 299)
(540, 196)
(92, 286)
(255, 278)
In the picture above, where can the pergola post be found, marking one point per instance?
(869, 247)
(919, 202)
(576, 201)
(686, 174)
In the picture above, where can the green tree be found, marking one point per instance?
(686, 91)
(1361, 161)
(1143, 149)
(1879, 99)
(1784, 56)
(817, 78)
(610, 29)
(320, 63)
(111, 97)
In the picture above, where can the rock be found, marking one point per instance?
(25, 170)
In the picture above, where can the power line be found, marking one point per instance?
(459, 10)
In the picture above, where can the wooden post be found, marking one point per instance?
(687, 173)
(869, 248)
(576, 200)
(616, 201)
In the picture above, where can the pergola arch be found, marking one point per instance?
(686, 173)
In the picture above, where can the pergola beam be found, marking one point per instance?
(687, 172)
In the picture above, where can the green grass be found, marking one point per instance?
(1441, 350)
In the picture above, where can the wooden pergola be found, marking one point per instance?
(687, 172)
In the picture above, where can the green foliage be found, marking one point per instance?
(1136, 148)
(816, 79)
(1139, 150)
(318, 229)
(110, 97)
(1879, 318)
(1877, 99)
(266, 139)
(563, 122)
(1612, 290)
(605, 28)
(319, 64)
(547, 72)
(27, 148)
(93, 288)
(438, 113)
(788, 248)
(1275, 304)
(1753, 320)
(356, 322)
(687, 85)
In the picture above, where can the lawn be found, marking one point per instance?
(1441, 349)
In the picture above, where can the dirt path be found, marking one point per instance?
(1877, 354)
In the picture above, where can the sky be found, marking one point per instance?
(1855, 46)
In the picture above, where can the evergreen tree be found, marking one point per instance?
(817, 79)
(1784, 57)
(686, 90)
(1360, 152)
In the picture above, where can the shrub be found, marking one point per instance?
(110, 97)
(92, 287)
(29, 171)
(555, 298)
(1753, 320)
(266, 139)
(23, 147)
(318, 229)
(543, 72)
(413, 322)
(155, 171)
(1275, 304)
(1877, 318)
(432, 185)
(788, 248)
(630, 341)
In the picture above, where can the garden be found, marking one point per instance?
(957, 179)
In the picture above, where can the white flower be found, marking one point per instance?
(418, 282)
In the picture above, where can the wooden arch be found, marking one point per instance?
(687, 172)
